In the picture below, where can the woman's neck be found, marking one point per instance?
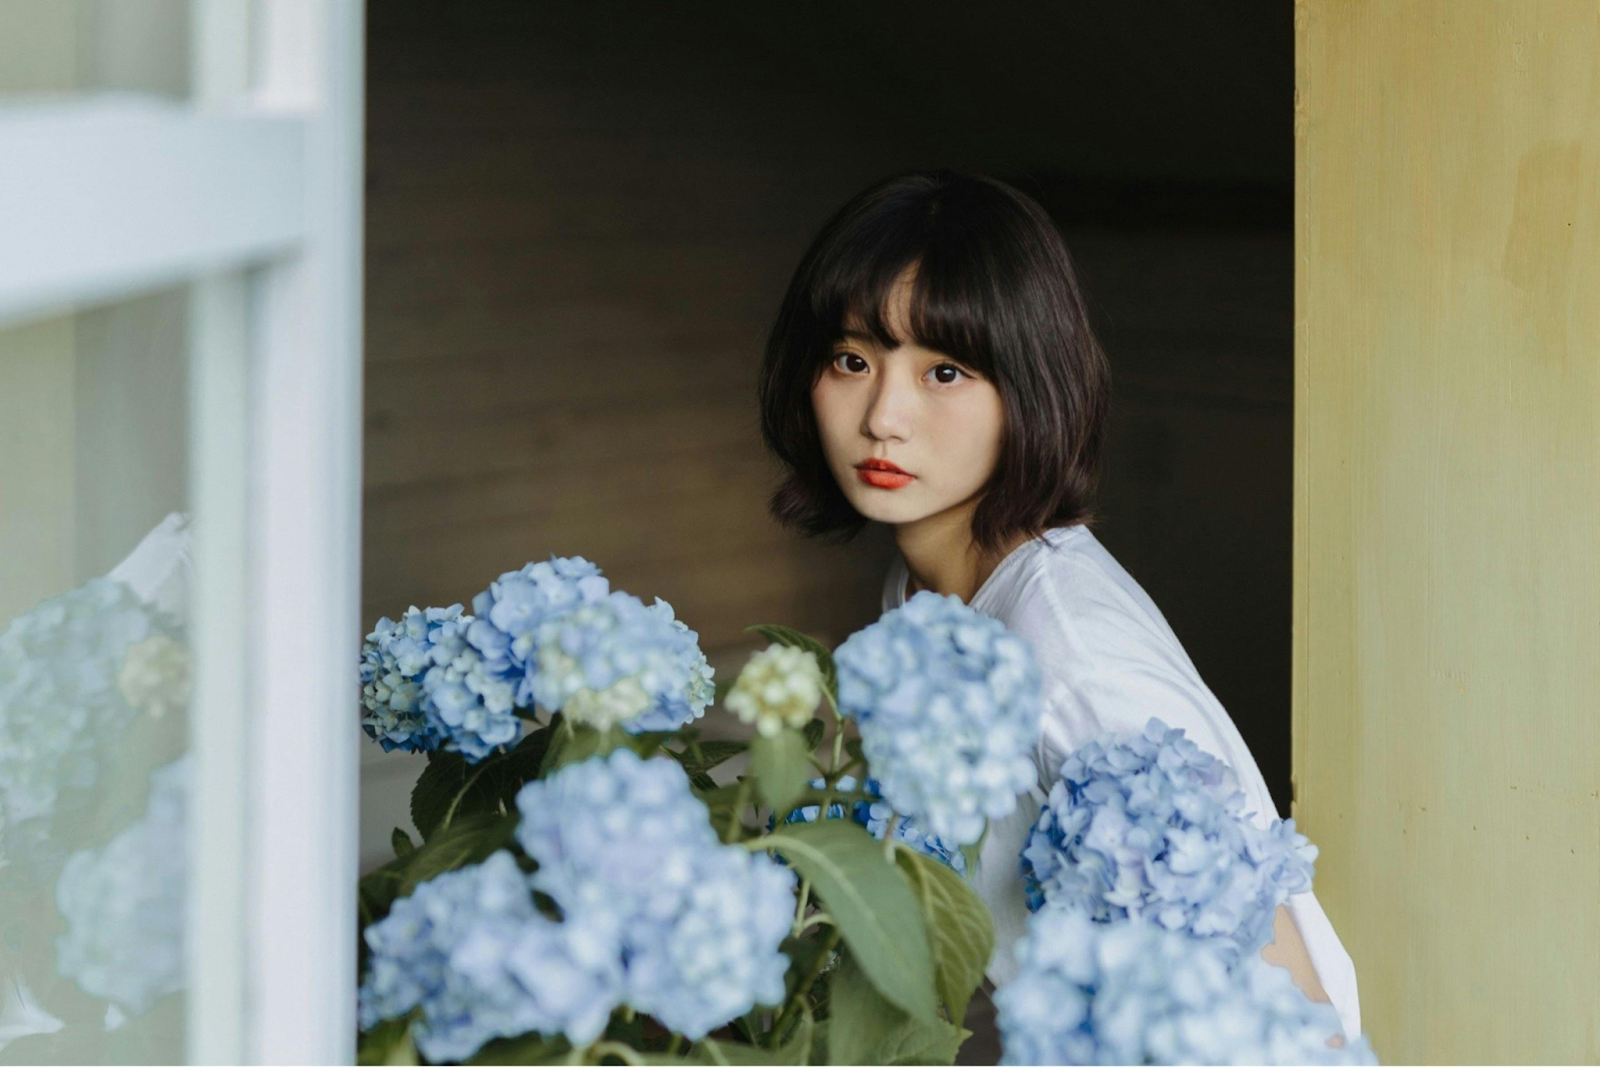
(940, 555)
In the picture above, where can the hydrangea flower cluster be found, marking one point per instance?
(394, 657)
(470, 704)
(516, 604)
(949, 708)
(618, 662)
(62, 711)
(700, 922)
(657, 914)
(1149, 824)
(469, 948)
(124, 903)
(875, 815)
(779, 686)
(552, 634)
(1132, 992)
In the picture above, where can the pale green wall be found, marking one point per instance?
(1447, 516)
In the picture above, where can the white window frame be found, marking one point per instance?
(252, 191)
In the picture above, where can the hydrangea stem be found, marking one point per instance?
(888, 837)
(800, 908)
(730, 833)
(781, 1025)
(601, 1049)
(833, 775)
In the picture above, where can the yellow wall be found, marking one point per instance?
(1447, 515)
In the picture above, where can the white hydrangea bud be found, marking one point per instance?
(155, 676)
(780, 686)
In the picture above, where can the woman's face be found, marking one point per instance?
(932, 417)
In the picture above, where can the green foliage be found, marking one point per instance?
(813, 733)
(465, 841)
(700, 757)
(388, 1043)
(402, 844)
(450, 787)
(873, 904)
(528, 1049)
(574, 744)
(795, 1050)
(781, 765)
(865, 1028)
(960, 931)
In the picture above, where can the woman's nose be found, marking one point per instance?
(889, 410)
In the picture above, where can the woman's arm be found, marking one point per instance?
(1288, 950)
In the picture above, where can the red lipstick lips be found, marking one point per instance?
(882, 474)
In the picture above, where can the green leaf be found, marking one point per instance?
(795, 1051)
(917, 1042)
(781, 765)
(387, 1043)
(802, 953)
(403, 846)
(719, 797)
(701, 756)
(852, 747)
(872, 903)
(376, 891)
(814, 731)
(450, 786)
(864, 1028)
(574, 744)
(860, 1017)
(527, 1049)
(785, 635)
(464, 841)
(961, 932)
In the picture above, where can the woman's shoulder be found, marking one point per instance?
(1072, 592)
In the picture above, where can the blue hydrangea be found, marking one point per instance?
(618, 831)
(875, 815)
(469, 949)
(618, 662)
(472, 706)
(948, 702)
(700, 922)
(62, 712)
(517, 603)
(674, 709)
(395, 656)
(124, 903)
(1132, 992)
(552, 634)
(718, 957)
(1149, 824)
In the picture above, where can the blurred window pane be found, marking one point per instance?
(94, 683)
(84, 46)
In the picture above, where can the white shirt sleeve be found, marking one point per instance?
(1110, 663)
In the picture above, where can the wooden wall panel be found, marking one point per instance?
(1447, 524)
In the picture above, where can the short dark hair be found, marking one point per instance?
(995, 289)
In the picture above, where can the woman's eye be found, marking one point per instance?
(949, 367)
(848, 356)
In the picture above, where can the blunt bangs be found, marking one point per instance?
(993, 288)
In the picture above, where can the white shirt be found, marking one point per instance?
(1109, 662)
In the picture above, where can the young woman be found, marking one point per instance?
(932, 368)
